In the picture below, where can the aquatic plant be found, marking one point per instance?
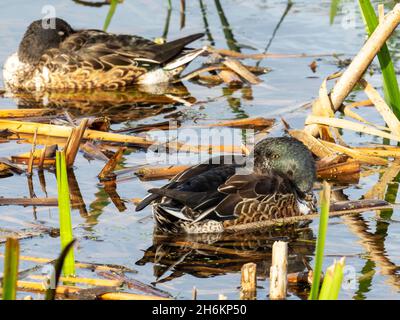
(10, 275)
(51, 292)
(390, 84)
(323, 226)
(334, 274)
(332, 281)
(110, 14)
(64, 208)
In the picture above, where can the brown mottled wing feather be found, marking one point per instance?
(258, 197)
(93, 58)
(123, 50)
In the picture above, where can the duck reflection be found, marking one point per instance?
(209, 255)
(133, 103)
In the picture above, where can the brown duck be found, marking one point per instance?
(64, 58)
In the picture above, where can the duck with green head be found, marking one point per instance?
(54, 56)
(209, 197)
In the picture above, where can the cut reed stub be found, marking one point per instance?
(248, 289)
(107, 173)
(278, 271)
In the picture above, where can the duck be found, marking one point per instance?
(275, 181)
(59, 57)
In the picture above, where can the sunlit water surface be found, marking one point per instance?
(121, 236)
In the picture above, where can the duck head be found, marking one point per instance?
(40, 36)
(288, 156)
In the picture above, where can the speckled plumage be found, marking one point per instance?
(209, 197)
(63, 58)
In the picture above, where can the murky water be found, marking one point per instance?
(110, 231)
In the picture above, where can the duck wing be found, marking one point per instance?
(104, 51)
(256, 197)
(195, 179)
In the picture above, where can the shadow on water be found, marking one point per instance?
(211, 255)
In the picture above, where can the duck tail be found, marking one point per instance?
(183, 60)
(169, 50)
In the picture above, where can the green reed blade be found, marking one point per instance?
(110, 14)
(51, 292)
(333, 280)
(323, 226)
(390, 84)
(64, 208)
(334, 10)
(10, 275)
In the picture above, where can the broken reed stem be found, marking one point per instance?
(65, 132)
(230, 77)
(365, 56)
(354, 207)
(241, 70)
(88, 281)
(66, 290)
(278, 271)
(107, 171)
(154, 173)
(32, 154)
(260, 56)
(74, 142)
(248, 287)
(24, 113)
(42, 157)
(48, 202)
(81, 265)
(327, 171)
(360, 62)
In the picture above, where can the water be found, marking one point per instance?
(113, 233)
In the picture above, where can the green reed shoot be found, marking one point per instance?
(64, 209)
(110, 14)
(323, 226)
(10, 274)
(390, 84)
(332, 281)
(334, 10)
(51, 292)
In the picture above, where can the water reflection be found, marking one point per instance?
(126, 104)
(213, 255)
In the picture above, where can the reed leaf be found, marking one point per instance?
(332, 281)
(51, 292)
(390, 84)
(10, 275)
(64, 208)
(110, 14)
(333, 10)
(323, 226)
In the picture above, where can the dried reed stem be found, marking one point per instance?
(248, 287)
(278, 271)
